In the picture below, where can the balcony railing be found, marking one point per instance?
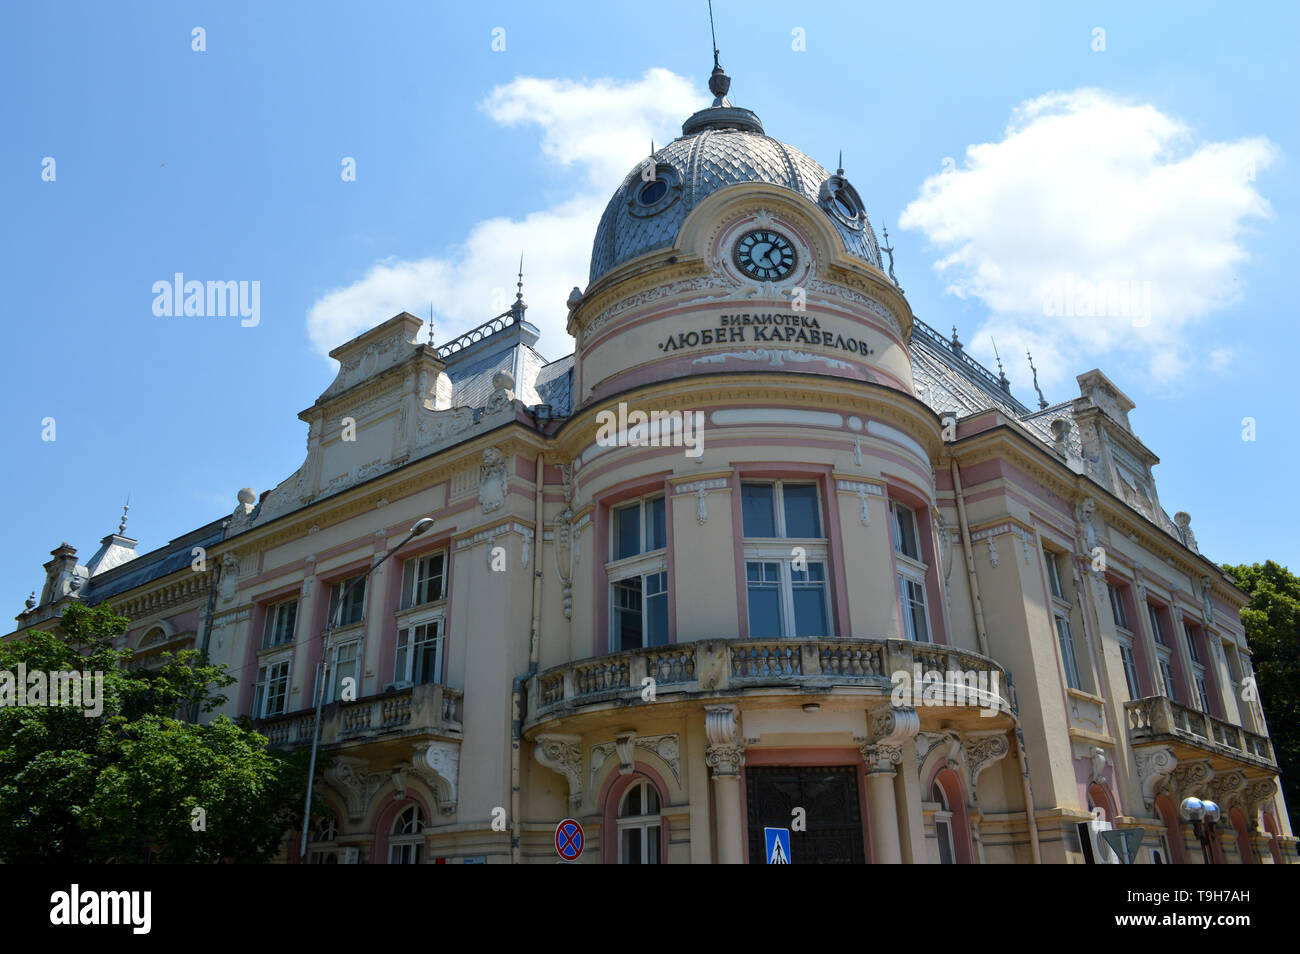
(431, 709)
(1159, 717)
(711, 666)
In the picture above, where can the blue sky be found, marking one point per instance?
(225, 165)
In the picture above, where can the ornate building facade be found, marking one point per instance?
(764, 551)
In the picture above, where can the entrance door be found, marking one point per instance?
(828, 795)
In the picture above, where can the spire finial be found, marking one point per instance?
(121, 527)
(1042, 402)
(888, 249)
(719, 82)
(430, 324)
(1002, 377)
(517, 309)
(840, 171)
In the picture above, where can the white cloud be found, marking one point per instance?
(600, 128)
(1096, 230)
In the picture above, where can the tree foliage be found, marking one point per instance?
(1272, 622)
(125, 785)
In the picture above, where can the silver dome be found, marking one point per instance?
(719, 151)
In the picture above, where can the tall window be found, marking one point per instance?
(406, 837)
(1167, 679)
(1054, 574)
(1201, 693)
(1117, 611)
(323, 850)
(906, 539)
(638, 825)
(347, 665)
(1066, 639)
(787, 593)
(943, 825)
(271, 693)
(354, 600)
(1130, 668)
(1157, 631)
(418, 659)
(638, 574)
(423, 580)
(1190, 632)
(911, 573)
(280, 621)
(915, 621)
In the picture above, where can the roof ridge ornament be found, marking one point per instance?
(1002, 377)
(719, 82)
(519, 307)
(1042, 401)
(889, 250)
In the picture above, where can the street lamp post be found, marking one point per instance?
(322, 669)
(1204, 815)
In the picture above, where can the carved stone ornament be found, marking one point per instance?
(889, 729)
(1256, 794)
(229, 576)
(438, 764)
(666, 747)
(348, 777)
(724, 753)
(1154, 767)
(982, 750)
(492, 480)
(563, 754)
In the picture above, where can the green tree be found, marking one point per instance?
(125, 785)
(1272, 621)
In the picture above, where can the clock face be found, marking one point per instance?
(765, 254)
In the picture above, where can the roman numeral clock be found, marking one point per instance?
(765, 254)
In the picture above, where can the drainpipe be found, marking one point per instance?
(982, 633)
(207, 627)
(516, 695)
(976, 604)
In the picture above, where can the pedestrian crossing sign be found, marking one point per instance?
(777, 841)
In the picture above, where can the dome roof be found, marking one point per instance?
(722, 146)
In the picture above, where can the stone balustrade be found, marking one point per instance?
(712, 666)
(1159, 717)
(431, 709)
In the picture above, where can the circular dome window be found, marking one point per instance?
(657, 190)
(841, 200)
(652, 192)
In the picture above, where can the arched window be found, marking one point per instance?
(639, 825)
(943, 825)
(406, 837)
(322, 850)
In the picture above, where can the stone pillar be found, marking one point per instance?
(882, 750)
(725, 755)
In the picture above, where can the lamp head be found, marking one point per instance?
(1192, 808)
(1211, 811)
(421, 525)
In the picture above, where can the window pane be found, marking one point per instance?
(801, 516)
(633, 802)
(942, 832)
(757, 512)
(1054, 575)
(627, 531)
(810, 618)
(905, 532)
(656, 609)
(627, 615)
(656, 537)
(764, 599)
(428, 584)
(652, 845)
(632, 846)
(1067, 652)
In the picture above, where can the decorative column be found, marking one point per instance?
(725, 755)
(882, 750)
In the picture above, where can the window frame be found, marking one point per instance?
(1118, 612)
(334, 694)
(1069, 660)
(643, 822)
(404, 655)
(412, 580)
(1128, 662)
(261, 685)
(777, 549)
(274, 617)
(1055, 586)
(778, 486)
(337, 589)
(943, 816)
(894, 507)
(645, 519)
(412, 840)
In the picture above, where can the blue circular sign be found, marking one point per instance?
(569, 839)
